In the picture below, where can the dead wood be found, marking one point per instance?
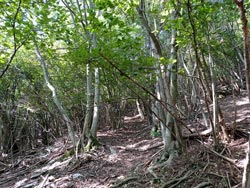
(203, 184)
(204, 133)
(233, 161)
(6, 165)
(124, 182)
(136, 147)
(43, 182)
(246, 173)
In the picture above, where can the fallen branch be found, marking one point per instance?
(7, 165)
(199, 134)
(142, 148)
(233, 161)
(43, 182)
(203, 184)
(124, 182)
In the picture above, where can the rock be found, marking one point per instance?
(77, 176)
(51, 178)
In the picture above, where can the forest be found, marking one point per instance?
(124, 94)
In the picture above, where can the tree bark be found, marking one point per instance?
(166, 90)
(240, 4)
(246, 173)
(57, 102)
(89, 109)
(214, 125)
(94, 125)
(139, 109)
(1, 136)
(174, 141)
(93, 131)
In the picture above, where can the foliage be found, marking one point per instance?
(64, 29)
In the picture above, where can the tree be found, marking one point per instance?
(57, 102)
(166, 85)
(240, 4)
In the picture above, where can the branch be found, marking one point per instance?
(16, 48)
(74, 17)
(150, 33)
(239, 3)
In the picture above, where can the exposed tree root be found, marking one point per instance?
(177, 181)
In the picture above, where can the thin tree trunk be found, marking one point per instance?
(177, 141)
(89, 109)
(215, 129)
(246, 173)
(240, 4)
(139, 108)
(200, 70)
(93, 131)
(94, 125)
(1, 137)
(56, 100)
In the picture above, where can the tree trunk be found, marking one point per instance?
(96, 103)
(94, 126)
(139, 109)
(166, 90)
(246, 173)
(215, 127)
(57, 102)
(244, 20)
(1, 137)
(89, 109)
(175, 142)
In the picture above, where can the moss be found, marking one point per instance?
(92, 141)
(68, 154)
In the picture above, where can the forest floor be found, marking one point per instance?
(126, 155)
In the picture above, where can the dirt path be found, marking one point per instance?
(125, 155)
(123, 150)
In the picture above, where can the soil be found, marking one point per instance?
(126, 156)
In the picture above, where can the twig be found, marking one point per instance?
(4, 164)
(43, 182)
(228, 181)
(233, 161)
(147, 163)
(237, 186)
(214, 174)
